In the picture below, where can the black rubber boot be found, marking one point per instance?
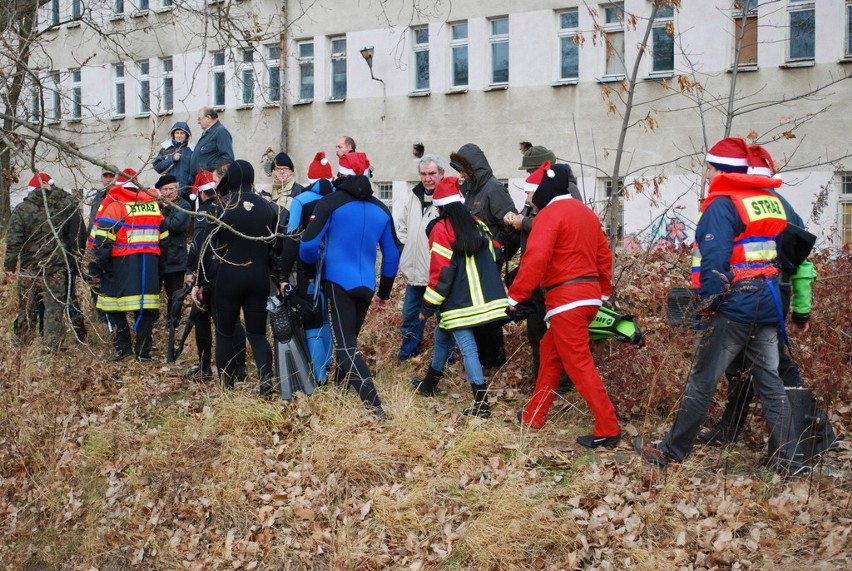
(426, 385)
(267, 387)
(480, 406)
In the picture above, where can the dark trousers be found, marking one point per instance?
(347, 310)
(121, 340)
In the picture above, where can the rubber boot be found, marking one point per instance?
(480, 402)
(426, 385)
(267, 389)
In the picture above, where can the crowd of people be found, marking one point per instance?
(204, 226)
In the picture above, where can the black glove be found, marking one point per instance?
(522, 310)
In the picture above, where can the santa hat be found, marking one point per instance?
(555, 182)
(354, 163)
(447, 192)
(319, 168)
(39, 180)
(532, 182)
(203, 183)
(127, 178)
(760, 161)
(729, 155)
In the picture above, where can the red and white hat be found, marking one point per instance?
(447, 192)
(39, 180)
(532, 182)
(760, 161)
(354, 163)
(319, 168)
(203, 183)
(729, 155)
(127, 178)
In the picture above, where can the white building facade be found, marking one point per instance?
(116, 74)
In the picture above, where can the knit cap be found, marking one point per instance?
(536, 155)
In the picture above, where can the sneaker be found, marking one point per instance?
(592, 441)
(715, 437)
(651, 453)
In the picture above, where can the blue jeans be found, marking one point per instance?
(721, 341)
(467, 344)
(412, 326)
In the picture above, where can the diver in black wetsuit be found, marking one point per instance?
(244, 242)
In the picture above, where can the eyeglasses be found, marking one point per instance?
(282, 169)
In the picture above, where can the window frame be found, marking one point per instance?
(118, 7)
(495, 40)
(459, 44)
(337, 61)
(664, 23)
(745, 16)
(217, 79)
(844, 210)
(143, 91)
(564, 34)
(119, 86)
(247, 78)
(273, 73)
(76, 9)
(167, 101)
(384, 192)
(795, 7)
(617, 27)
(306, 62)
(847, 52)
(55, 97)
(418, 49)
(76, 94)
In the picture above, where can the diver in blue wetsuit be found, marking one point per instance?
(350, 223)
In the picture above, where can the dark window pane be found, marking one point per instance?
(168, 95)
(421, 62)
(338, 79)
(460, 31)
(500, 62)
(802, 30)
(421, 36)
(306, 85)
(460, 65)
(570, 59)
(569, 20)
(663, 50)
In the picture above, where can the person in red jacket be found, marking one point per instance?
(568, 256)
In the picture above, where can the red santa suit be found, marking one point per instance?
(569, 257)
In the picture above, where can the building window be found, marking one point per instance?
(306, 70)
(144, 70)
(76, 9)
(338, 68)
(845, 191)
(849, 28)
(167, 67)
(247, 78)
(745, 32)
(218, 79)
(458, 48)
(143, 5)
(165, 3)
(76, 94)
(118, 99)
(614, 29)
(385, 192)
(802, 29)
(273, 70)
(35, 104)
(118, 6)
(569, 49)
(420, 46)
(499, 41)
(54, 12)
(663, 40)
(55, 97)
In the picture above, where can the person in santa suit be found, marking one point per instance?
(568, 256)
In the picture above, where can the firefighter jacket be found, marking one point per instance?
(734, 259)
(125, 241)
(467, 290)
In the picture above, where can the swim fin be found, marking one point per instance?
(608, 324)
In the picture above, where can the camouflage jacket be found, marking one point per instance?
(31, 244)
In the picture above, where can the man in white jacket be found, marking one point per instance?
(416, 215)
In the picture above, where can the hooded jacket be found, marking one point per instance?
(411, 231)
(180, 169)
(484, 195)
(351, 222)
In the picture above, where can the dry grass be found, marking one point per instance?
(125, 466)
